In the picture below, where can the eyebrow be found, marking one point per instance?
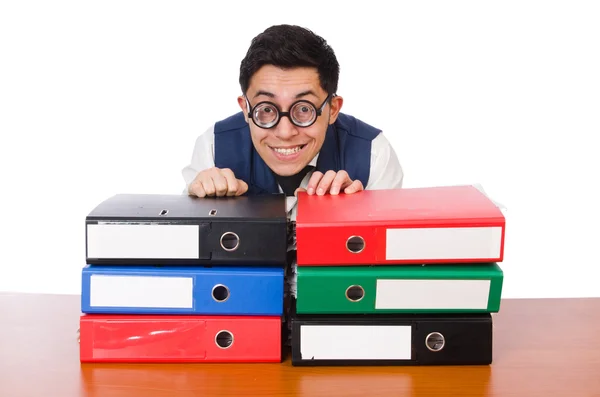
(299, 95)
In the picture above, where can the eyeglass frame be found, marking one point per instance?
(280, 114)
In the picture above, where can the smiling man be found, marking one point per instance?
(290, 133)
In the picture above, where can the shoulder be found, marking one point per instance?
(234, 122)
(204, 143)
(356, 127)
(217, 132)
(381, 145)
(212, 144)
(202, 156)
(231, 123)
(386, 170)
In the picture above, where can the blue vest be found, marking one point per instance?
(347, 146)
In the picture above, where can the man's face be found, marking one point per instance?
(287, 148)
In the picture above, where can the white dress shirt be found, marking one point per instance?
(386, 171)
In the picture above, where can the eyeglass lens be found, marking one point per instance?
(302, 114)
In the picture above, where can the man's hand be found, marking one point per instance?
(217, 182)
(332, 182)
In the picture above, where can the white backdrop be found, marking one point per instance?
(106, 97)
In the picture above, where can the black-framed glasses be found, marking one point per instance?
(302, 113)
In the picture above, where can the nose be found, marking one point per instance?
(285, 129)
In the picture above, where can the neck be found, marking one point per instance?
(290, 183)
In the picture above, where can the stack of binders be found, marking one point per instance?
(397, 277)
(173, 278)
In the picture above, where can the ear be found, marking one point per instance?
(334, 108)
(244, 106)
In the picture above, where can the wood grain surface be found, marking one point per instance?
(542, 347)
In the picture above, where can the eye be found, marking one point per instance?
(266, 108)
(265, 113)
(303, 113)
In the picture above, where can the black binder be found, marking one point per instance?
(391, 339)
(154, 229)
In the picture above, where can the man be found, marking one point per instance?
(290, 134)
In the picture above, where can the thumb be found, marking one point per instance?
(300, 189)
(242, 188)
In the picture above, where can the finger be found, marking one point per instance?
(196, 189)
(340, 181)
(300, 189)
(242, 187)
(314, 180)
(208, 186)
(220, 184)
(325, 183)
(232, 182)
(356, 186)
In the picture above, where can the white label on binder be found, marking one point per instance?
(356, 342)
(443, 243)
(141, 291)
(432, 294)
(143, 241)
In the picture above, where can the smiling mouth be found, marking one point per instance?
(289, 150)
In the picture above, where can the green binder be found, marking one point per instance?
(447, 288)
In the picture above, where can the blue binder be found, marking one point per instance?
(182, 290)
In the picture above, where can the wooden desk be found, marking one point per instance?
(544, 347)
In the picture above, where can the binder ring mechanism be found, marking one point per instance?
(224, 339)
(435, 341)
(220, 293)
(230, 241)
(355, 244)
(355, 293)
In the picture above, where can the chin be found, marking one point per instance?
(286, 162)
(288, 169)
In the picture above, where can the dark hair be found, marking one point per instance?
(289, 46)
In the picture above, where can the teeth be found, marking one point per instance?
(287, 152)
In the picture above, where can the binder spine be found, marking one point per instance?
(399, 289)
(347, 245)
(182, 242)
(154, 339)
(167, 290)
(392, 340)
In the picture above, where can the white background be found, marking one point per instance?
(105, 97)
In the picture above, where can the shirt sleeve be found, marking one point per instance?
(203, 157)
(386, 171)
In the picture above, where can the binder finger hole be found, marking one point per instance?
(220, 293)
(354, 293)
(355, 244)
(224, 339)
(230, 241)
(435, 341)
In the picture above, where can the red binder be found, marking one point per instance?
(166, 338)
(446, 224)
